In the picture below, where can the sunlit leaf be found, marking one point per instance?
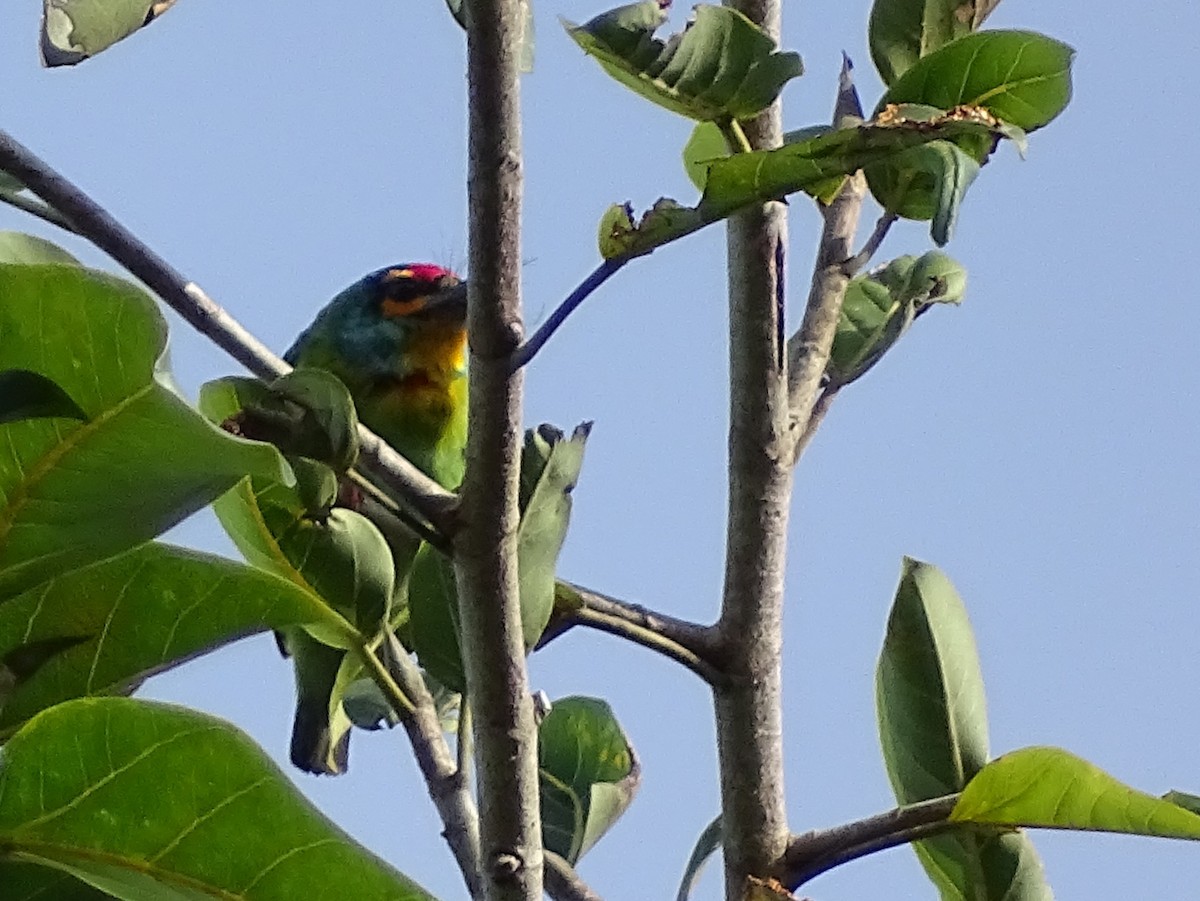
(73, 30)
(104, 628)
(74, 492)
(720, 66)
(152, 801)
(16, 247)
(1052, 788)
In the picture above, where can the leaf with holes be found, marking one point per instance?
(75, 492)
(814, 163)
(152, 801)
(104, 628)
(589, 774)
(73, 30)
(721, 66)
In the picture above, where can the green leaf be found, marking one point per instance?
(75, 492)
(16, 247)
(327, 427)
(149, 800)
(879, 308)
(102, 629)
(933, 728)
(73, 30)
(589, 774)
(929, 689)
(1184, 800)
(1020, 77)
(1052, 788)
(550, 465)
(29, 882)
(811, 165)
(29, 395)
(705, 146)
(706, 846)
(10, 185)
(902, 31)
(720, 66)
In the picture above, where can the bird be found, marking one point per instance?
(397, 339)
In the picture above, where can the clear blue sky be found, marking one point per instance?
(1039, 444)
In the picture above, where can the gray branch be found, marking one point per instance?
(749, 704)
(91, 221)
(563, 883)
(485, 559)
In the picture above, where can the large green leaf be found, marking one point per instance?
(75, 492)
(721, 66)
(16, 247)
(810, 165)
(589, 774)
(30, 882)
(148, 800)
(933, 728)
(902, 31)
(1020, 77)
(73, 30)
(1052, 788)
(101, 629)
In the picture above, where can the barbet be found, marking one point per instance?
(397, 340)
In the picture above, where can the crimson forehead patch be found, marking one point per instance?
(421, 272)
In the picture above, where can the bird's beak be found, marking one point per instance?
(448, 303)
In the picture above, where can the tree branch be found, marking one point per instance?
(812, 853)
(808, 349)
(185, 297)
(528, 350)
(485, 546)
(446, 783)
(749, 705)
(563, 883)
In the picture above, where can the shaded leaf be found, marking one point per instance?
(101, 629)
(720, 66)
(75, 492)
(10, 185)
(73, 30)
(706, 846)
(16, 247)
(327, 427)
(1184, 800)
(880, 306)
(1052, 788)
(811, 165)
(550, 465)
(902, 31)
(589, 774)
(30, 395)
(148, 799)
(30, 882)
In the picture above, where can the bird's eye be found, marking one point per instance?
(395, 307)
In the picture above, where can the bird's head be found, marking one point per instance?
(418, 291)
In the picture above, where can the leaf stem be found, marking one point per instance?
(530, 347)
(735, 137)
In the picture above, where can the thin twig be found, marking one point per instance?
(529, 348)
(41, 210)
(93, 222)
(695, 638)
(815, 852)
(828, 394)
(883, 225)
(563, 883)
(447, 785)
(808, 349)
